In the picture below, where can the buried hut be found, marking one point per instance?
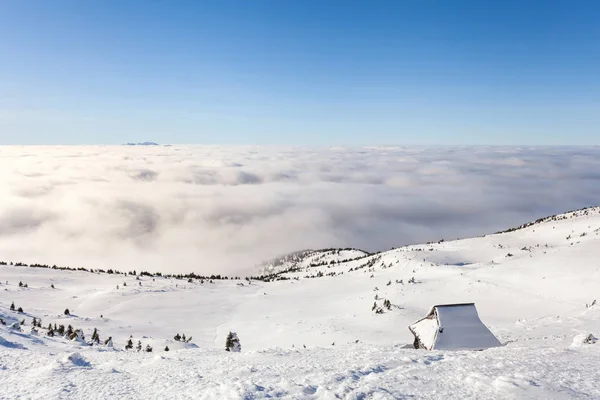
(452, 327)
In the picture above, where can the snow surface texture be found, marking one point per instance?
(314, 334)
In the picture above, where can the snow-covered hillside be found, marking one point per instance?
(319, 327)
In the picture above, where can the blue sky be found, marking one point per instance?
(300, 72)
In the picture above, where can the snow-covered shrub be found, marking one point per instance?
(76, 359)
(583, 339)
(78, 336)
(233, 343)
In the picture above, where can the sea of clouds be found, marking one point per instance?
(211, 209)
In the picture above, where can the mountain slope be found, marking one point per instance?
(531, 286)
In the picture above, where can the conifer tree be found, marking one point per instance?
(20, 310)
(183, 337)
(148, 348)
(108, 342)
(69, 331)
(67, 312)
(167, 348)
(177, 337)
(61, 330)
(129, 344)
(139, 345)
(232, 342)
(12, 306)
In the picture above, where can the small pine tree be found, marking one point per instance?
(49, 327)
(20, 310)
(183, 337)
(129, 344)
(50, 332)
(12, 306)
(20, 284)
(148, 348)
(232, 343)
(374, 307)
(61, 330)
(167, 348)
(69, 331)
(189, 339)
(52, 286)
(67, 312)
(139, 346)
(23, 322)
(108, 342)
(177, 337)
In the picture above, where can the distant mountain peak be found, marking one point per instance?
(142, 144)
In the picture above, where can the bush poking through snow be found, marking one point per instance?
(583, 339)
(233, 343)
(78, 336)
(69, 332)
(95, 336)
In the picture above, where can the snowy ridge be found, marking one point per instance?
(302, 260)
(328, 324)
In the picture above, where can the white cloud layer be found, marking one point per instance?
(210, 209)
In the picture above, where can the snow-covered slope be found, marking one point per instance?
(320, 329)
(306, 259)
